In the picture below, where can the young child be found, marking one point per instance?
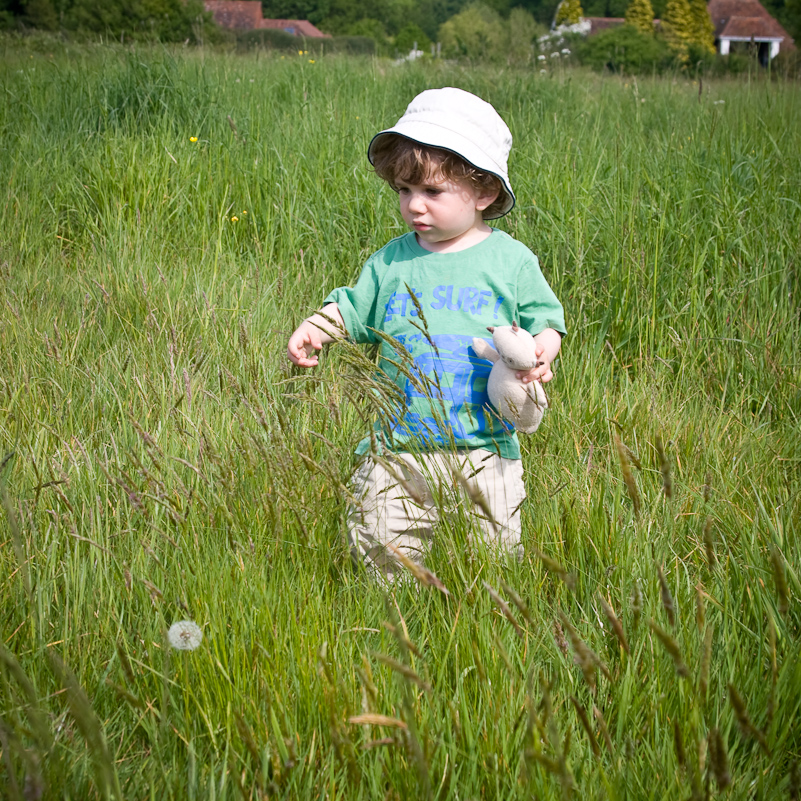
(422, 298)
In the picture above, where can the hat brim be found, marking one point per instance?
(432, 135)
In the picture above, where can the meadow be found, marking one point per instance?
(166, 219)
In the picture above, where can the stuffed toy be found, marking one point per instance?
(515, 349)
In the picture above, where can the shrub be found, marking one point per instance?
(271, 39)
(625, 49)
(407, 36)
(476, 33)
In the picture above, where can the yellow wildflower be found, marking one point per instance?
(234, 219)
(193, 139)
(311, 61)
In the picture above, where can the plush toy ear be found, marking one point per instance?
(484, 350)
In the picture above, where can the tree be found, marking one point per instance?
(703, 30)
(640, 15)
(408, 35)
(41, 14)
(523, 30)
(372, 29)
(312, 10)
(569, 12)
(678, 26)
(477, 33)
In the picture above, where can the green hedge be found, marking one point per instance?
(271, 39)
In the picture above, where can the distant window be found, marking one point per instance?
(290, 29)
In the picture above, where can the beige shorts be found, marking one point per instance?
(400, 498)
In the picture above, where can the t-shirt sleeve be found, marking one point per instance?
(357, 305)
(537, 304)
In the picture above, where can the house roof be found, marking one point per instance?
(298, 27)
(746, 19)
(599, 24)
(247, 15)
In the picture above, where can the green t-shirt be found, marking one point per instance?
(426, 347)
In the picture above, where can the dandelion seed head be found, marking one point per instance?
(185, 635)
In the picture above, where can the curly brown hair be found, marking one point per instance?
(396, 158)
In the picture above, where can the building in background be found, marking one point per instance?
(748, 21)
(246, 15)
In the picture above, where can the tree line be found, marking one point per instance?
(482, 28)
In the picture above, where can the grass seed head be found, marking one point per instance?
(706, 660)
(504, 607)
(667, 599)
(678, 744)
(719, 763)
(795, 781)
(672, 647)
(585, 723)
(700, 608)
(614, 621)
(628, 476)
(584, 656)
(709, 543)
(636, 603)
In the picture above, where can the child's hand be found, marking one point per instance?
(548, 344)
(303, 345)
(540, 372)
(312, 334)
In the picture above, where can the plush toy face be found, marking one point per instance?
(515, 346)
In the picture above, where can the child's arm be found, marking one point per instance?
(548, 343)
(313, 333)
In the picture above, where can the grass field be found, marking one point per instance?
(166, 219)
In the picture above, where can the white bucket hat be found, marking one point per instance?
(455, 120)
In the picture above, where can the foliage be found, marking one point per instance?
(523, 33)
(392, 14)
(625, 49)
(702, 29)
(163, 20)
(313, 10)
(160, 461)
(569, 12)
(408, 35)
(371, 29)
(678, 26)
(640, 15)
(475, 33)
(269, 39)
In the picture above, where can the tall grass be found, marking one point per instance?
(160, 461)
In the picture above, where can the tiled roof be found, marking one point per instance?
(297, 27)
(602, 23)
(746, 19)
(247, 15)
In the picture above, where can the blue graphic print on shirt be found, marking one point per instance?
(448, 382)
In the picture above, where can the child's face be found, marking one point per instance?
(446, 215)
